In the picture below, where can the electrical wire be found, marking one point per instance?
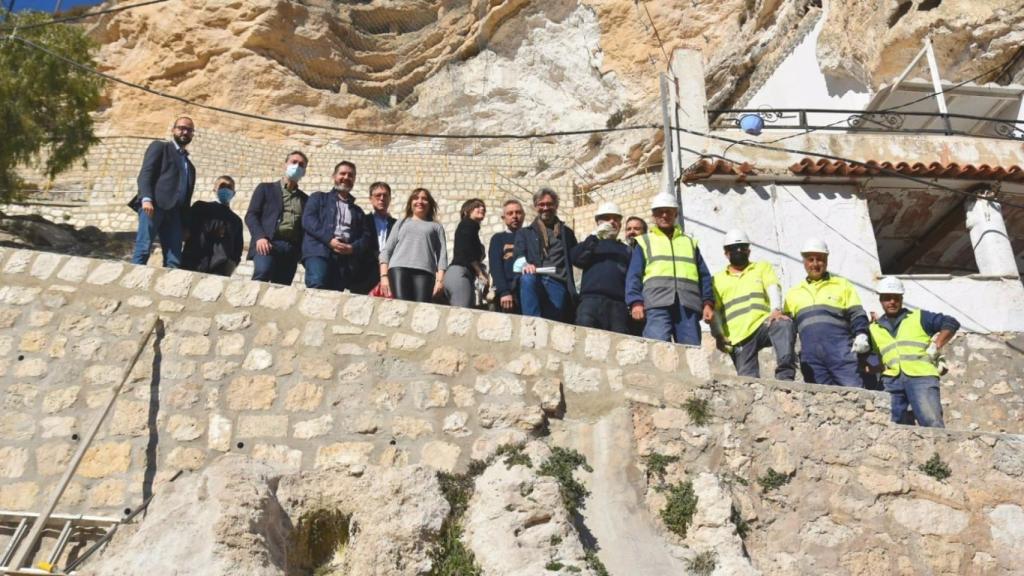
(365, 132)
(81, 16)
(835, 158)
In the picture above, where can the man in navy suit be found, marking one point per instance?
(274, 219)
(335, 231)
(165, 183)
(367, 274)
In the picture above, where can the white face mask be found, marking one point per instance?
(294, 172)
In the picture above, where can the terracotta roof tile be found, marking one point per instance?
(705, 168)
(952, 170)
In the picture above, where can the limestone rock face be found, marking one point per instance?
(223, 521)
(240, 517)
(516, 524)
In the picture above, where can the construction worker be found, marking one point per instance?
(830, 320)
(603, 260)
(748, 312)
(667, 282)
(908, 342)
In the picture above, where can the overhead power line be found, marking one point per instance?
(833, 157)
(83, 16)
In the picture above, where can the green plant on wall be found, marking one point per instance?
(450, 556)
(703, 564)
(319, 540)
(657, 465)
(936, 468)
(561, 465)
(699, 410)
(680, 506)
(772, 480)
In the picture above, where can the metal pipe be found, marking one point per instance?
(40, 522)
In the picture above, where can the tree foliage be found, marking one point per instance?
(45, 103)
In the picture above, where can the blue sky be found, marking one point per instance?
(47, 5)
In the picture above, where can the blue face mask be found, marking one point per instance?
(294, 172)
(224, 195)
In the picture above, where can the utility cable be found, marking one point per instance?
(82, 16)
(881, 169)
(366, 132)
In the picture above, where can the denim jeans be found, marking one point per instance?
(327, 273)
(780, 335)
(918, 393)
(279, 266)
(668, 322)
(165, 224)
(544, 296)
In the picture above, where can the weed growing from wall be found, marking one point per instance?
(699, 411)
(513, 454)
(742, 526)
(560, 466)
(773, 480)
(450, 556)
(319, 540)
(703, 564)
(657, 465)
(936, 468)
(680, 506)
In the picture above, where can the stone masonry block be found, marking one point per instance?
(494, 327)
(319, 304)
(175, 283)
(208, 289)
(358, 310)
(255, 392)
(45, 264)
(139, 277)
(104, 273)
(279, 297)
(425, 318)
(104, 459)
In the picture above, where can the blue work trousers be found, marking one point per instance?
(919, 394)
(544, 296)
(165, 224)
(673, 322)
(828, 360)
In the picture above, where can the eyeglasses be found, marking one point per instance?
(185, 128)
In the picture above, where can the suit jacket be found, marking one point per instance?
(318, 221)
(527, 244)
(160, 178)
(265, 211)
(501, 257)
(367, 272)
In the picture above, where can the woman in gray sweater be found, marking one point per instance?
(415, 257)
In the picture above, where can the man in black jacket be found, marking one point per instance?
(546, 286)
(214, 243)
(165, 183)
(274, 219)
(367, 274)
(604, 261)
(501, 257)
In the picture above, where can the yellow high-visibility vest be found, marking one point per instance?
(743, 299)
(907, 351)
(671, 269)
(831, 302)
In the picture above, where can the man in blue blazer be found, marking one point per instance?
(274, 219)
(335, 233)
(165, 186)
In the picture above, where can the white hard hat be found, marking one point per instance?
(734, 236)
(664, 201)
(606, 208)
(890, 285)
(814, 246)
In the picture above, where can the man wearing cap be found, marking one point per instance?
(748, 312)
(830, 321)
(604, 261)
(667, 281)
(909, 341)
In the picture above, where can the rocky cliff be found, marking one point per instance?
(506, 66)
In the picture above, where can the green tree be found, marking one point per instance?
(45, 103)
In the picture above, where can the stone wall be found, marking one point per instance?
(295, 377)
(299, 378)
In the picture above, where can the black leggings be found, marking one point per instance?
(411, 284)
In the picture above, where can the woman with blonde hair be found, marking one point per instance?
(415, 257)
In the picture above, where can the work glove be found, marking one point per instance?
(932, 352)
(603, 231)
(860, 344)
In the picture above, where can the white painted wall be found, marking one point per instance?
(798, 82)
(778, 218)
